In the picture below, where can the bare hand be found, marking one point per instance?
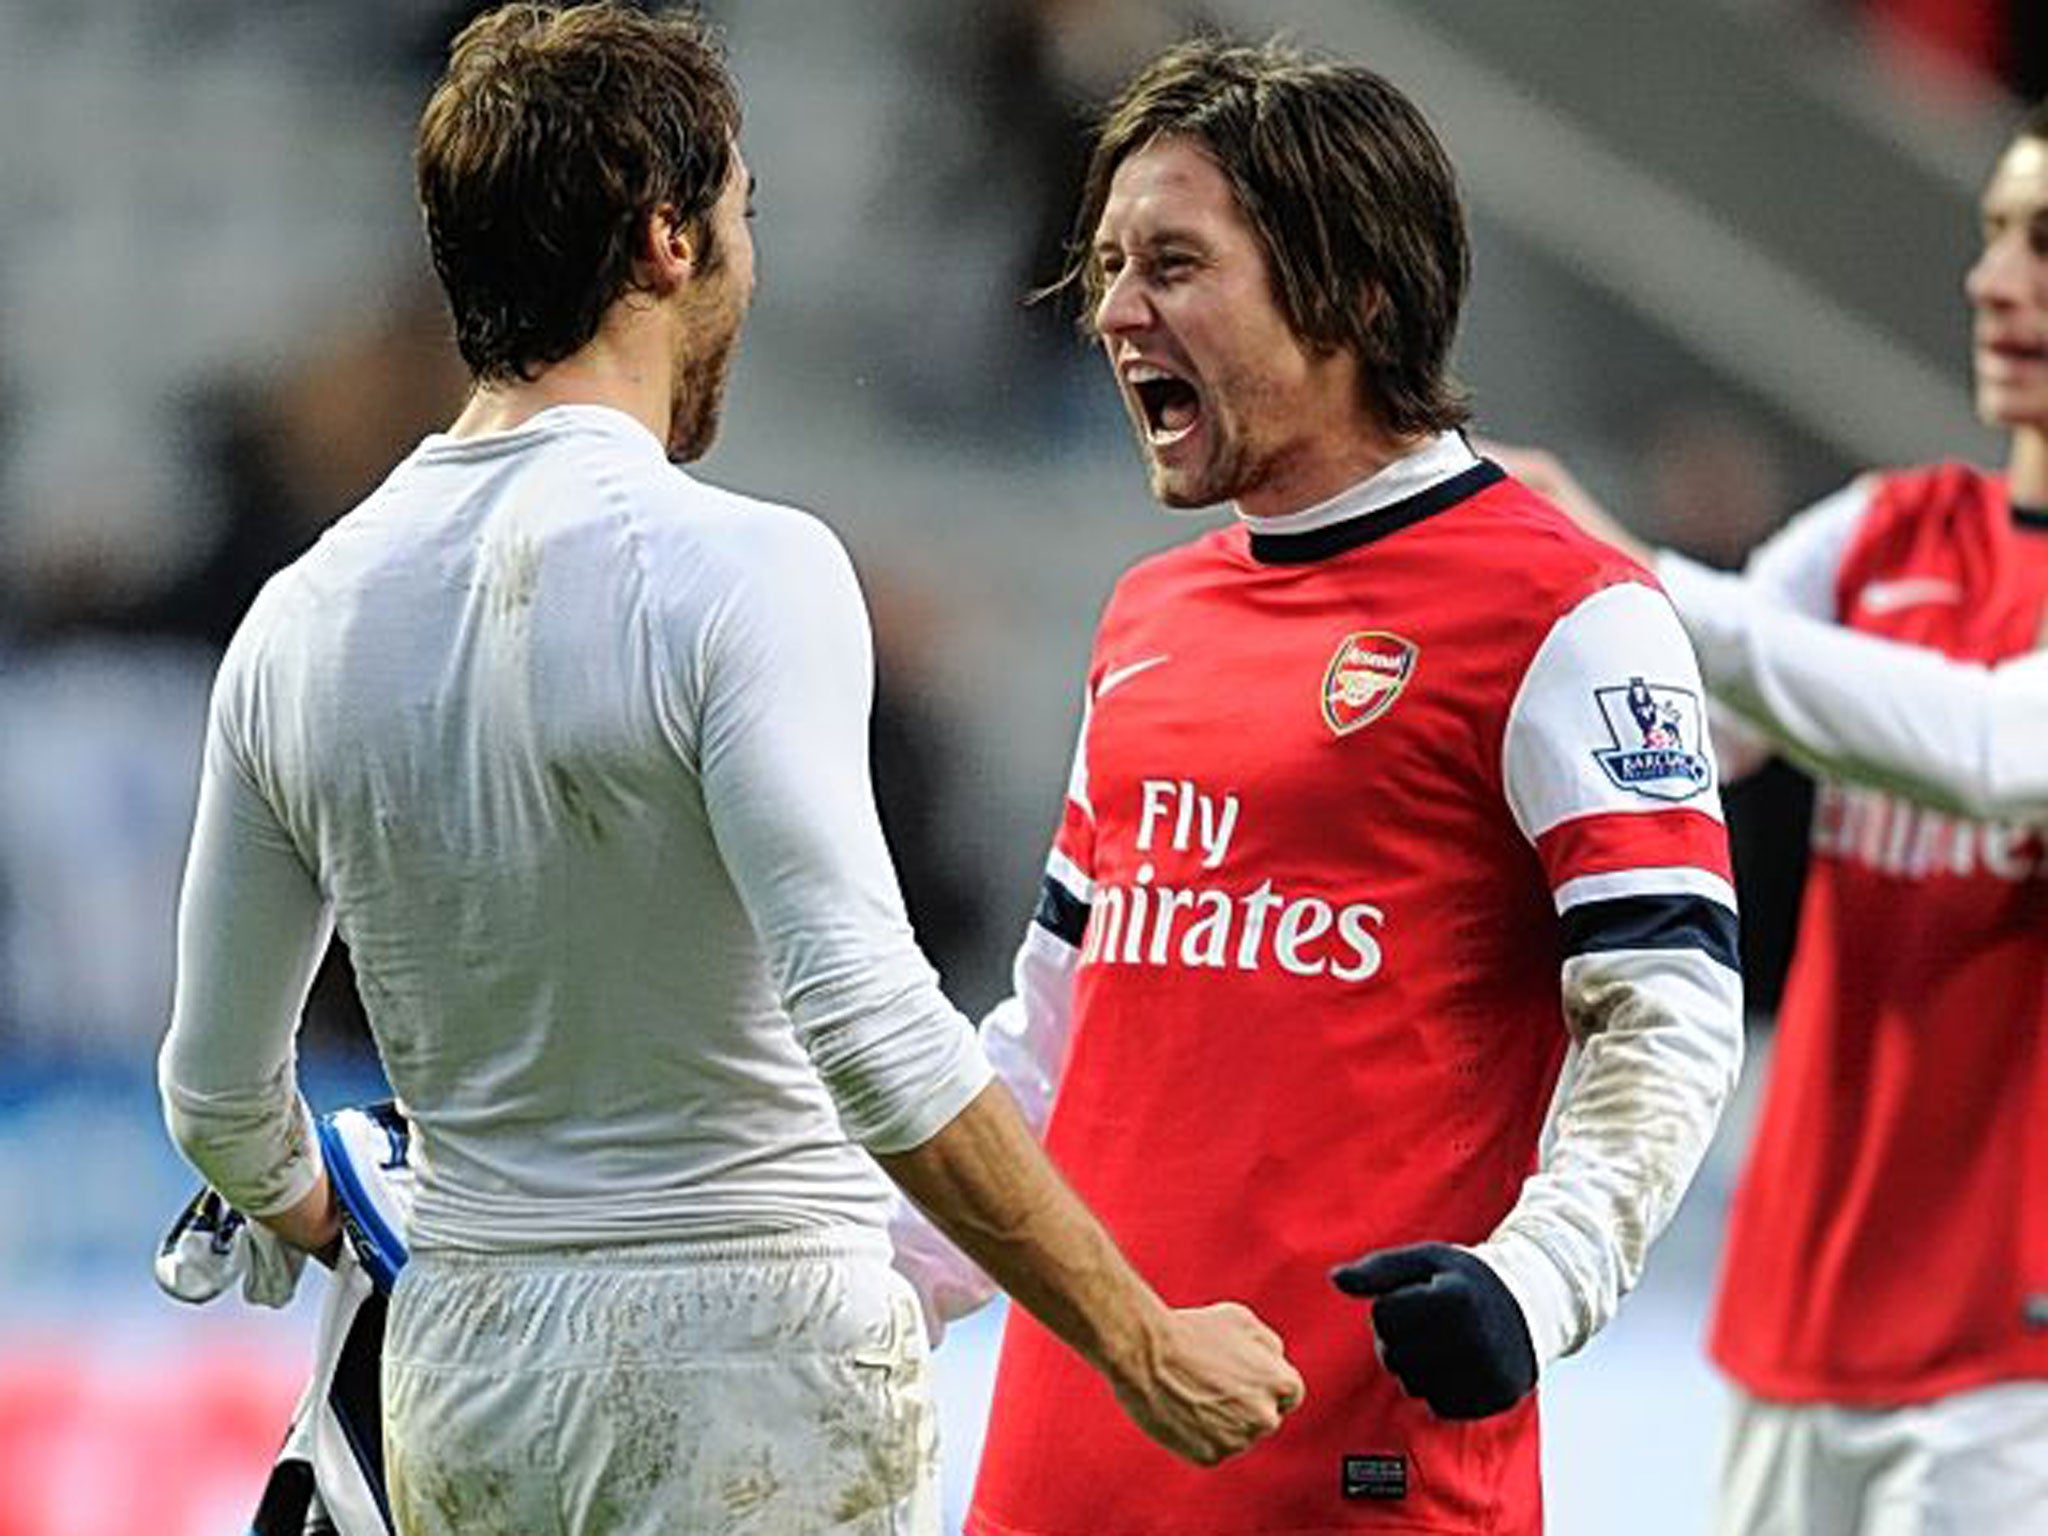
(1215, 1379)
(1543, 473)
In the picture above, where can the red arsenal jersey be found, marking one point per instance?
(1889, 1240)
(1346, 803)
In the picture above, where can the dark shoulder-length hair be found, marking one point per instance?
(1348, 188)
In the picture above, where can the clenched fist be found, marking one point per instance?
(1209, 1382)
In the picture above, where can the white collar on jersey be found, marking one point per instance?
(570, 416)
(1437, 460)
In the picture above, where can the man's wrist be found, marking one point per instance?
(312, 1222)
(1541, 1288)
(1127, 1341)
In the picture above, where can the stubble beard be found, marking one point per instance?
(1224, 473)
(699, 398)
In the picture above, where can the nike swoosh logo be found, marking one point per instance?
(1907, 592)
(1118, 676)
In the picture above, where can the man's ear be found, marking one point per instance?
(668, 249)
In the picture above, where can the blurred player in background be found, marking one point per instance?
(1883, 1304)
(1356, 774)
(572, 748)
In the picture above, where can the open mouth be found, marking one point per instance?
(2017, 351)
(1172, 407)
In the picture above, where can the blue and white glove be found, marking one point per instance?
(212, 1245)
(1447, 1326)
(326, 1477)
(368, 1156)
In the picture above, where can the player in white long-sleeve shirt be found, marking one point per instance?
(572, 749)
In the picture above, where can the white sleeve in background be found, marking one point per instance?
(252, 927)
(1796, 569)
(1025, 1037)
(1026, 1034)
(1954, 734)
(1800, 565)
(783, 753)
(1651, 990)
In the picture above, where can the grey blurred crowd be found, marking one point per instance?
(217, 330)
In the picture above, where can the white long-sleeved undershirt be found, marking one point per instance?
(1958, 735)
(573, 750)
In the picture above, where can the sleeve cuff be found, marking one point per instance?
(1538, 1284)
(257, 1171)
(935, 1108)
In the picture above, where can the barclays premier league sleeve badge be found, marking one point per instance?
(1657, 733)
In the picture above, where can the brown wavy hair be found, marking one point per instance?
(554, 132)
(1349, 190)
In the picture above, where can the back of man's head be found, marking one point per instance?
(551, 137)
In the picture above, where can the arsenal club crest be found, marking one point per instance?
(1364, 678)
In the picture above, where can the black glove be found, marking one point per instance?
(1448, 1329)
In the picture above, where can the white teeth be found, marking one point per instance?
(1145, 373)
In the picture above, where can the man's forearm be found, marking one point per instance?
(1661, 1036)
(1205, 1382)
(988, 1186)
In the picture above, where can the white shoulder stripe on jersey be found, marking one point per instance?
(1065, 873)
(1666, 880)
(1576, 745)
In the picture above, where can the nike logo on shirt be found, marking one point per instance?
(1116, 677)
(1907, 592)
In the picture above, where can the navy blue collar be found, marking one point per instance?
(1315, 544)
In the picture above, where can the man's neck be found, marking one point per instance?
(625, 368)
(1311, 481)
(2027, 469)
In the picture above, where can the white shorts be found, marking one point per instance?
(1971, 1464)
(765, 1385)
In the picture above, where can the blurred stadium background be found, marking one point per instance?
(1719, 256)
